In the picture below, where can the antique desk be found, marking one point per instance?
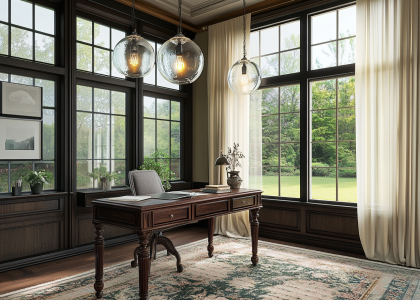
(154, 214)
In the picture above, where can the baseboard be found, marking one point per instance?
(311, 241)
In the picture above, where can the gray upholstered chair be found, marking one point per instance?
(146, 182)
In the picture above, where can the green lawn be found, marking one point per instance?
(323, 188)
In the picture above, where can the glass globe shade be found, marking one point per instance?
(244, 77)
(180, 60)
(133, 56)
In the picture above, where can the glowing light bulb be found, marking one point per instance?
(179, 63)
(244, 79)
(134, 59)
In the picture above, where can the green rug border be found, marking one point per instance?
(218, 237)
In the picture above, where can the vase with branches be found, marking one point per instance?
(233, 155)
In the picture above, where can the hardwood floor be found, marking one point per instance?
(42, 273)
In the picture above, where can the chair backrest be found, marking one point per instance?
(143, 182)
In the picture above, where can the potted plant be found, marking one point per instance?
(103, 176)
(36, 180)
(158, 161)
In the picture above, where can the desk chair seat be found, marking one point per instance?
(144, 182)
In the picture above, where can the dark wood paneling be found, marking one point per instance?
(86, 232)
(337, 225)
(32, 226)
(316, 224)
(34, 239)
(34, 207)
(285, 218)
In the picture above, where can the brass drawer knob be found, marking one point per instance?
(243, 201)
(171, 216)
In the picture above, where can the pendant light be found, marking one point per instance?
(180, 60)
(244, 76)
(133, 56)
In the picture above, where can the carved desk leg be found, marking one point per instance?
(99, 259)
(254, 234)
(144, 264)
(210, 228)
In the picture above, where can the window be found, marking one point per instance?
(10, 171)
(308, 104)
(27, 30)
(333, 142)
(332, 31)
(280, 138)
(101, 134)
(277, 49)
(162, 130)
(95, 43)
(154, 77)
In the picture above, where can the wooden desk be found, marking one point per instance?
(145, 216)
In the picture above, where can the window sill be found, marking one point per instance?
(26, 195)
(86, 196)
(310, 202)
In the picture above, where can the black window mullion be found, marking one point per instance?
(336, 138)
(93, 134)
(304, 109)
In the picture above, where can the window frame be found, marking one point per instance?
(128, 121)
(304, 78)
(56, 36)
(57, 107)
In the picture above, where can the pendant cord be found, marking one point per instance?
(180, 17)
(133, 17)
(244, 32)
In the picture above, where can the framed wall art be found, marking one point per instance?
(20, 139)
(20, 101)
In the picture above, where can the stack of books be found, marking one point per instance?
(216, 189)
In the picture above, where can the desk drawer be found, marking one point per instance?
(211, 208)
(171, 215)
(242, 202)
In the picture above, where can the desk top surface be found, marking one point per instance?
(153, 203)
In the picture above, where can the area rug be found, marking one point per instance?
(283, 272)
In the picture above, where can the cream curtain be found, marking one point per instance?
(388, 130)
(228, 113)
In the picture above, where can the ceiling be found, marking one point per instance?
(200, 11)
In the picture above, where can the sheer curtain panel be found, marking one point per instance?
(388, 130)
(228, 113)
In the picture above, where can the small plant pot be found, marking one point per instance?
(108, 186)
(37, 188)
(16, 191)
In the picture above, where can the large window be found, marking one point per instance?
(162, 131)
(308, 104)
(95, 44)
(280, 137)
(333, 141)
(10, 171)
(27, 30)
(277, 49)
(101, 134)
(333, 38)
(154, 77)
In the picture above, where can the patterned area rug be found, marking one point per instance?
(283, 272)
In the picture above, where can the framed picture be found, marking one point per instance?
(20, 139)
(20, 101)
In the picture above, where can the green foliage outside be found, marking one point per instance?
(323, 188)
(158, 161)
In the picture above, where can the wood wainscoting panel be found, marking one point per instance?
(86, 231)
(30, 207)
(29, 240)
(285, 218)
(316, 224)
(330, 224)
